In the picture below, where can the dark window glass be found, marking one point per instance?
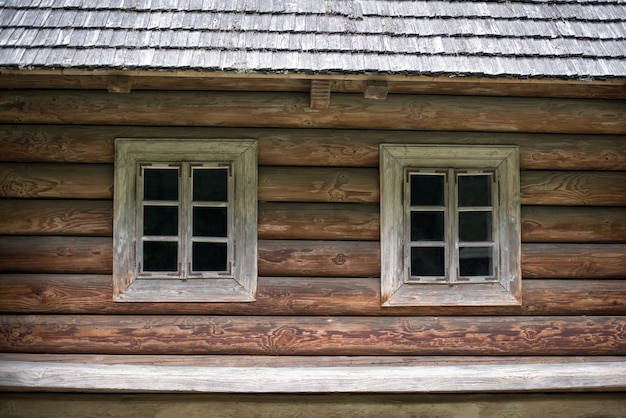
(210, 185)
(160, 256)
(210, 222)
(160, 220)
(160, 184)
(475, 190)
(427, 261)
(475, 261)
(427, 190)
(474, 226)
(209, 256)
(427, 226)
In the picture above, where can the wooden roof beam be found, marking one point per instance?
(119, 84)
(320, 94)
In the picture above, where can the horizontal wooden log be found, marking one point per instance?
(472, 405)
(310, 221)
(574, 261)
(69, 181)
(319, 221)
(92, 255)
(52, 254)
(309, 184)
(328, 374)
(573, 188)
(291, 110)
(573, 224)
(56, 217)
(92, 294)
(318, 335)
(320, 147)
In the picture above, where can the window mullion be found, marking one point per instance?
(452, 237)
(184, 225)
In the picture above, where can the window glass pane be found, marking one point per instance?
(160, 184)
(210, 185)
(427, 261)
(427, 190)
(475, 190)
(160, 220)
(475, 261)
(210, 222)
(160, 256)
(475, 226)
(209, 256)
(427, 226)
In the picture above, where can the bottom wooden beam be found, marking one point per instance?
(254, 374)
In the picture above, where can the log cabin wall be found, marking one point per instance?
(319, 252)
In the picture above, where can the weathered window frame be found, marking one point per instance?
(397, 289)
(236, 285)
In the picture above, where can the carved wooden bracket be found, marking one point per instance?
(119, 84)
(320, 94)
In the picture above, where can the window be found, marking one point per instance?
(185, 220)
(450, 231)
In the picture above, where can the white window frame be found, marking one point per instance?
(238, 283)
(397, 286)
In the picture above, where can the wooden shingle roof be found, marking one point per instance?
(523, 38)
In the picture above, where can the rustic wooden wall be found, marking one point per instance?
(319, 255)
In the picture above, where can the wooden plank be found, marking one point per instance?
(56, 217)
(313, 335)
(375, 89)
(573, 224)
(69, 181)
(291, 110)
(62, 405)
(573, 261)
(56, 254)
(573, 188)
(92, 294)
(320, 94)
(322, 147)
(283, 376)
(53, 254)
(319, 258)
(325, 221)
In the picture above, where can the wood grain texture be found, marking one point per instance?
(573, 224)
(574, 261)
(291, 110)
(56, 217)
(320, 147)
(284, 375)
(531, 405)
(68, 181)
(573, 188)
(53, 254)
(306, 335)
(92, 294)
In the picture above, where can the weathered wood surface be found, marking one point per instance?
(573, 224)
(576, 188)
(322, 147)
(56, 217)
(291, 110)
(310, 221)
(473, 87)
(68, 181)
(52, 254)
(530, 405)
(287, 374)
(313, 335)
(92, 294)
